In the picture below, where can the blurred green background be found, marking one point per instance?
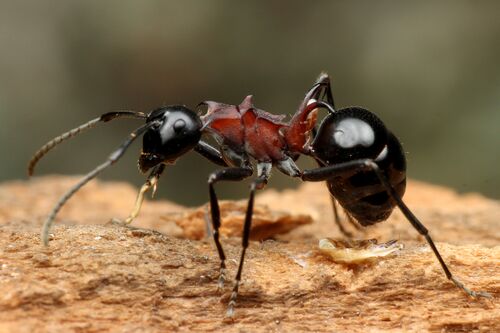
(429, 69)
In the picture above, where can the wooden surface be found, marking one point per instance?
(99, 276)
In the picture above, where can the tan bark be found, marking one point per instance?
(100, 276)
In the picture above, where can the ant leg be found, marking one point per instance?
(75, 131)
(215, 156)
(210, 153)
(337, 219)
(320, 87)
(229, 174)
(334, 206)
(264, 170)
(151, 182)
(326, 172)
(369, 164)
(352, 221)
(112, 159)
(323, 81)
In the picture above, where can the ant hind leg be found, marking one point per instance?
(325, 172)
(338, 221)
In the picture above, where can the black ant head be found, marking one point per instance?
(178, 131)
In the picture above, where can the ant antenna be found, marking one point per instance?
(75, 131)
(113, 157)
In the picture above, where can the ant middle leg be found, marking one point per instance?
(210, 153)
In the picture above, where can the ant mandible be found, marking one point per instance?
(361, 161)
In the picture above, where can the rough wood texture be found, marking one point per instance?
(99, 276)
(266, 223)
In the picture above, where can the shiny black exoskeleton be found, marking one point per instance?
(361, 161)
(178, 131)
(355, 133)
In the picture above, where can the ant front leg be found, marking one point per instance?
(229, 174)
(324, 173)
(151, 182)
(210, 153)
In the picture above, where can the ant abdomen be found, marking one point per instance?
(356, 134)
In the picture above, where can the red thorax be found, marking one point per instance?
(262, 135)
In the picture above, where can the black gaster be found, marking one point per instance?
(356, 133)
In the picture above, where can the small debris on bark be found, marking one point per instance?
(357, 251)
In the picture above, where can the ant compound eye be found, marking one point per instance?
(179, 125)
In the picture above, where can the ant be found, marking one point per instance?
(362, 162)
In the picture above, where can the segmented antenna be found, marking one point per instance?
(113, 157)
(75, 131)
(57, 140)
